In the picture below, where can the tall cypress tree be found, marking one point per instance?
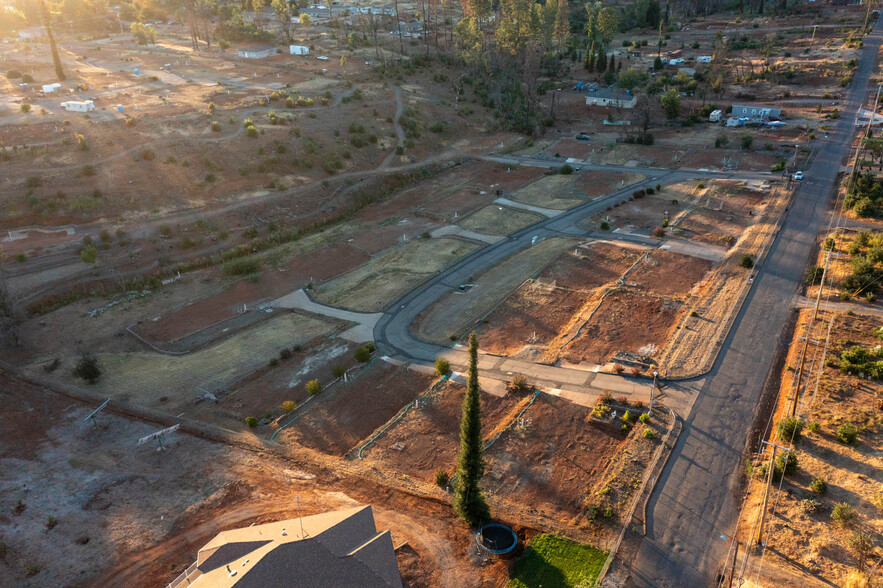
(44, 15)
(611, 65)
(601, 62)
(468, 498)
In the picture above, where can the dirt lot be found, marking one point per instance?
(539, 311)
(127, 516)
(427, 437)
(576, 309)
(458, 312)
(668, 274)
(645, 214)
(625, 321)
(173, 382)
(560, 192)
(498, 220)
(376, 284)
(347, 413)
(804, 544)
(550, 460)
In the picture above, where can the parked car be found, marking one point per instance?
(582, 137)
(798, 175)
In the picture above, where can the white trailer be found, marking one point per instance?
(49, 88)
(84, 106)
(715, 115)
(299, 50)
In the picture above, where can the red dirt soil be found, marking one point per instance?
(535, 308)
(319, 265)
(428, 436)
(355, 410)
(626, 321)
(548, 462)
(668, 273)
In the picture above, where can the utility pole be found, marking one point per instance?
(809, 327)
(733, 566)
(652, 386)
(766, 494)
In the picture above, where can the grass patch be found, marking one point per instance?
(553, 562)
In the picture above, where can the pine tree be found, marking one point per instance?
(44, 16)
(611, 65)
(468, 498)
(601, 62)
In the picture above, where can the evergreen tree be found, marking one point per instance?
(44, 16)
(590, 57)
(601, 62)
(611, 65)
(468, 498)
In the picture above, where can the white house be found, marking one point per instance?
(756, 113)
(257, 51)
(299, 50)
(85, 106)
(607, 97)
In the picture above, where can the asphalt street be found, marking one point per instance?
(694, 502)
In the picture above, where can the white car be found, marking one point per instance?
(798, 175)
(322, 57)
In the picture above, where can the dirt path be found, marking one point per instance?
(400, 108)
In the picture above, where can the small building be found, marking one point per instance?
(676, 54)
(715, 115)
(331, 550)
(84, 106)
(703, 59)
(608, 97)
(50, 88)
(299, 50)
(257, 51)
(756, 113)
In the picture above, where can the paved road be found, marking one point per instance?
(693, 503)
(394, 338)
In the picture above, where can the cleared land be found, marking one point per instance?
(549, 459)
(376, 284)
(804, 542)
(426, 439)
(346, 413)
(458, 312)
(594, 302)
(498, 220)
(174, 382)
(560, 192)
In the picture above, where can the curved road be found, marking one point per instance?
(696, 498)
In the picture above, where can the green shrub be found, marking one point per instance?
(565, 169)
(746, 261)
(314, 387)
(362, 354)
(25, 107)
(89, 254)
(442, 366)
(843, 514)
(605, 226)
(88, 368)
(288, 406)
(818, 485)
(442, 478)
(789, 429)
(629, 417)
(644, 418)
(338, 371)
(242, 266)
(847, 433)
(786, 463)
(252, 422)
(648, 434)
(813, 427)
(216, 126)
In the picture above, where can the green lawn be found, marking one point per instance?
(556, 562)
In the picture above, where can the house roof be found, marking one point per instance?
(257, 48)
(609, 94)
(337, 549)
